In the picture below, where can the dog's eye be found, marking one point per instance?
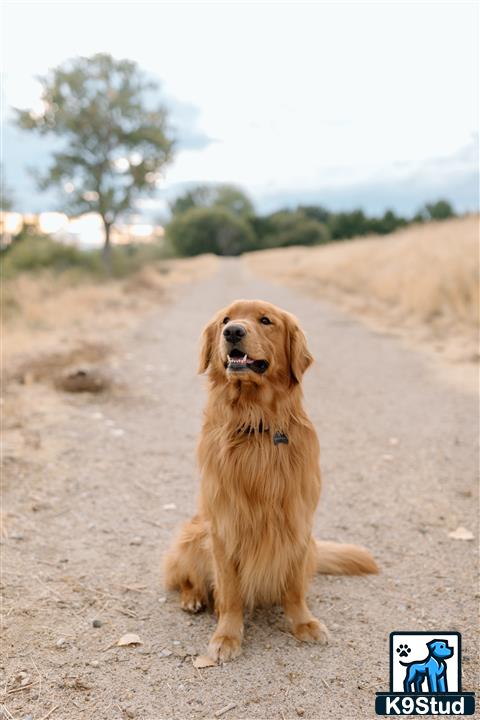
(225, 320)
(265, 321)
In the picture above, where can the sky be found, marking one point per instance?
(341, 104)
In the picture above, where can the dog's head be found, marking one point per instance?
(440, 649)
(254, 341)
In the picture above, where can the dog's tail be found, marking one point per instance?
(340, 559)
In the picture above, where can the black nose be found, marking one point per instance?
(234, 333)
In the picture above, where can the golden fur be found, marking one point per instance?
(251, 541)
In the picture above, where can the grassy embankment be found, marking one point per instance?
(422, 281)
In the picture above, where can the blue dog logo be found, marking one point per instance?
(425, 687)
(433, 668)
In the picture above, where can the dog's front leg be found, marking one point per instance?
(432, 682)
(227, 639)
(304, 625)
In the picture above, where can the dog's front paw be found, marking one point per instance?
(224, 647)
(311, 631)
(192, 601)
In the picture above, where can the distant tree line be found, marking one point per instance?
(116, 141)
(222, 220)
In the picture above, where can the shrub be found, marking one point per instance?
(286, 228)
(37, 253)
(228, 197)
(440, 210)
(210, 230)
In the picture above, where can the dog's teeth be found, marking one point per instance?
(238, 361)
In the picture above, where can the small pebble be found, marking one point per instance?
(162, 599)
(94, 663)
(165, 653)
(176, 642)
(300, 711)
(17, 536)
(97, 623)
(169, 506)
(136, 541)
(60, 642)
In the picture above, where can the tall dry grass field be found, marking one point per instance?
(423, 280)
(43, 312)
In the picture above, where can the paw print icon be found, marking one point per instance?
(403, 650)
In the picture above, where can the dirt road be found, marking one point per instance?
(96, 501)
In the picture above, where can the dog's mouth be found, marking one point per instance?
(238, 361)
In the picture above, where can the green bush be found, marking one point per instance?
(440, 210)
(210, 230)
(286, 228)
(228, 197)
(37, 253)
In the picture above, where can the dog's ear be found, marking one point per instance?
(300, 358)
(206, 346)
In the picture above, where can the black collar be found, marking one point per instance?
(278, 439)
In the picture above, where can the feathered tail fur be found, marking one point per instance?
(342, 559)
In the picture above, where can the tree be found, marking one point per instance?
(233, 199)
(6, 198)
(196, 197)
(315, 212)
(286, 227)
(224, 196)
(348, 224)
(440, 210)
(386, 224)
(115, 142)
(210, 230)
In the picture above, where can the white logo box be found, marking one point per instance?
(417, 642)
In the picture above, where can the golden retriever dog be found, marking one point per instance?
(251, 542)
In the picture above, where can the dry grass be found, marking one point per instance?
(422, 280)
(48, 317)
(63, 333)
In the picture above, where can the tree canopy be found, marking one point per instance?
(115, 134)
(210, 230)
(228, 197)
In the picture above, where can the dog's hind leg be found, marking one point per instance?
(418, 684)
(410, 678)
(188, 566)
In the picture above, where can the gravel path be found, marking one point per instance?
(91, 511)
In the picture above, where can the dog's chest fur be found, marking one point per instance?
(259, 498)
